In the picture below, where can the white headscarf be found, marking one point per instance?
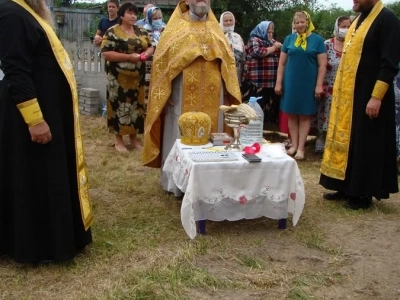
(337, 32)
(234, 39)
(221, 23)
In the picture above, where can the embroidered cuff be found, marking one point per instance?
(379, 90)
(30, 111)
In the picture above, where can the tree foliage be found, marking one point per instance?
(395, 7)
(249, 13)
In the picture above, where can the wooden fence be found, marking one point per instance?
(88, 65)
(76, 24)
(169, 4)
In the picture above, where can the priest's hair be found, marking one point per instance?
(40, 7)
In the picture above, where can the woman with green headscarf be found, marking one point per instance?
(301, 72)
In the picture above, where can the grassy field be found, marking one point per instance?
(140, 250)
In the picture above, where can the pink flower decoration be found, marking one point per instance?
(293, 196)
(255, 148)
(243, 200)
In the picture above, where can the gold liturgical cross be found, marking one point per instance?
(204, 47)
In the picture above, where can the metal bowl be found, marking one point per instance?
(235, 120)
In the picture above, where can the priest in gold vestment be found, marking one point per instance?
(193, 70)
(360, 155)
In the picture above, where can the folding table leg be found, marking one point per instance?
(282, 224)
(201, 226)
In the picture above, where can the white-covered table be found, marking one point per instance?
(234, 190)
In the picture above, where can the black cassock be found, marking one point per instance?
(40, 217)
(371, 169)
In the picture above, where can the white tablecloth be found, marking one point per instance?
(235, 190)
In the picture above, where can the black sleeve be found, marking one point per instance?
(100, 27)
(389, 41)
(18, 39)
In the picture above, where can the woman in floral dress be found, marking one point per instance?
(334, 48)
(125, 48)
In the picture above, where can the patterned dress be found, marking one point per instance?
(154, 36)
(237, 45)
(324, 106)
(126, 81)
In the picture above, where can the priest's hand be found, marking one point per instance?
(40, 133)
(373, 107)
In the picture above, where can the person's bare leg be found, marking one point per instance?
(134, 142)
(119, 143)
(293, 123)
(304, 129)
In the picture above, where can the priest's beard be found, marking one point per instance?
(364, 6)
(39, 6)
(199, 11)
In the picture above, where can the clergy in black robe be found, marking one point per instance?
(360, 158)
(45, 211)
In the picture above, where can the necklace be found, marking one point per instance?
(129, 31)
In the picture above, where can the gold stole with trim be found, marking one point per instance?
(66, 66)
(336, 153)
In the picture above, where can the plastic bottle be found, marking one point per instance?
(104, 110)
(253, 133)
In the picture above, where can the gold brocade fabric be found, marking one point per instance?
(199, 50)
(202, 89)
(336, 153)
(66, 66)
(380, 90)
(195, 128)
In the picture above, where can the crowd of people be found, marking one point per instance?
(343, 85)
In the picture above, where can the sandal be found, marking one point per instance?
(287, 143)
(292, 151)
(299, 155)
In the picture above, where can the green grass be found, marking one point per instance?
(304, 284)
(140, 250)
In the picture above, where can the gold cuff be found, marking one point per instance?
(380, 90)
(30, 111)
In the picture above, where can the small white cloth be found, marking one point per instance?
(274, 150)
(235, 190)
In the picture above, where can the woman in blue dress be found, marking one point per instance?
(301, 73)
